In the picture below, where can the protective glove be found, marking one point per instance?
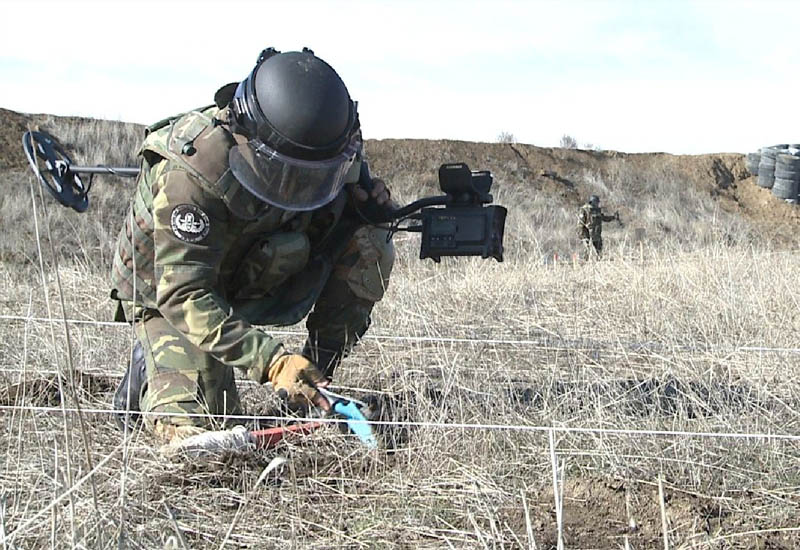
(295, 379)
(380, 192)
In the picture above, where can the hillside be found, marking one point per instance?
(562, 177)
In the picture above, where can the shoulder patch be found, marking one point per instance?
(189, 223)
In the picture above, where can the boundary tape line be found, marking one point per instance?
(550, 343)
(441, 425)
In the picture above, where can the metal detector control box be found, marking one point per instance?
(462, 231)
(465, 226)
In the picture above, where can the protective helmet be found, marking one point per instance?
(302, 129)
(594, 200)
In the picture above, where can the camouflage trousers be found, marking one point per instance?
(184, 385)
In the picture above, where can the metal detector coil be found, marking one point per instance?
(59, 176)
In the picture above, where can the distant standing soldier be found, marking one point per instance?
(590, 225)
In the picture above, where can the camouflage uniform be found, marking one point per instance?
(199, 261)
(590, 227)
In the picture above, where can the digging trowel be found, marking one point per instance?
(352, 411)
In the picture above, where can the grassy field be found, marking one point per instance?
(632, 384)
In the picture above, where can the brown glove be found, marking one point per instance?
(295, 378)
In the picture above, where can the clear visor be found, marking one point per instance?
(290, 183)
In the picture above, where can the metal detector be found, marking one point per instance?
(462, 222)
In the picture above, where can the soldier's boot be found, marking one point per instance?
(129, 391)
(598, 248)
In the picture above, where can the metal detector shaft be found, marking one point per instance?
(123, 172)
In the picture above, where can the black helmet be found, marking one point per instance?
(302, 128)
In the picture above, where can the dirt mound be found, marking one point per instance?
(13, 125)
(603, 512)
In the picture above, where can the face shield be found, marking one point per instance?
(290, 183)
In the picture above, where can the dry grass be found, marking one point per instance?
(649, 339)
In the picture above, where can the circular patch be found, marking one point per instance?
(189, 223)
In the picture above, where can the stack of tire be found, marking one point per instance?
(787, 175)
(751, 161)
(766, 167)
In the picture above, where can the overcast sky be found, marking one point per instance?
(675, 76)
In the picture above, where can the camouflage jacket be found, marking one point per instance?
(212, 260)
(590, 222)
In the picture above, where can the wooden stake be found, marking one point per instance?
(556, 492)
(663, 505)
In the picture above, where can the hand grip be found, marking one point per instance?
(370, 210)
